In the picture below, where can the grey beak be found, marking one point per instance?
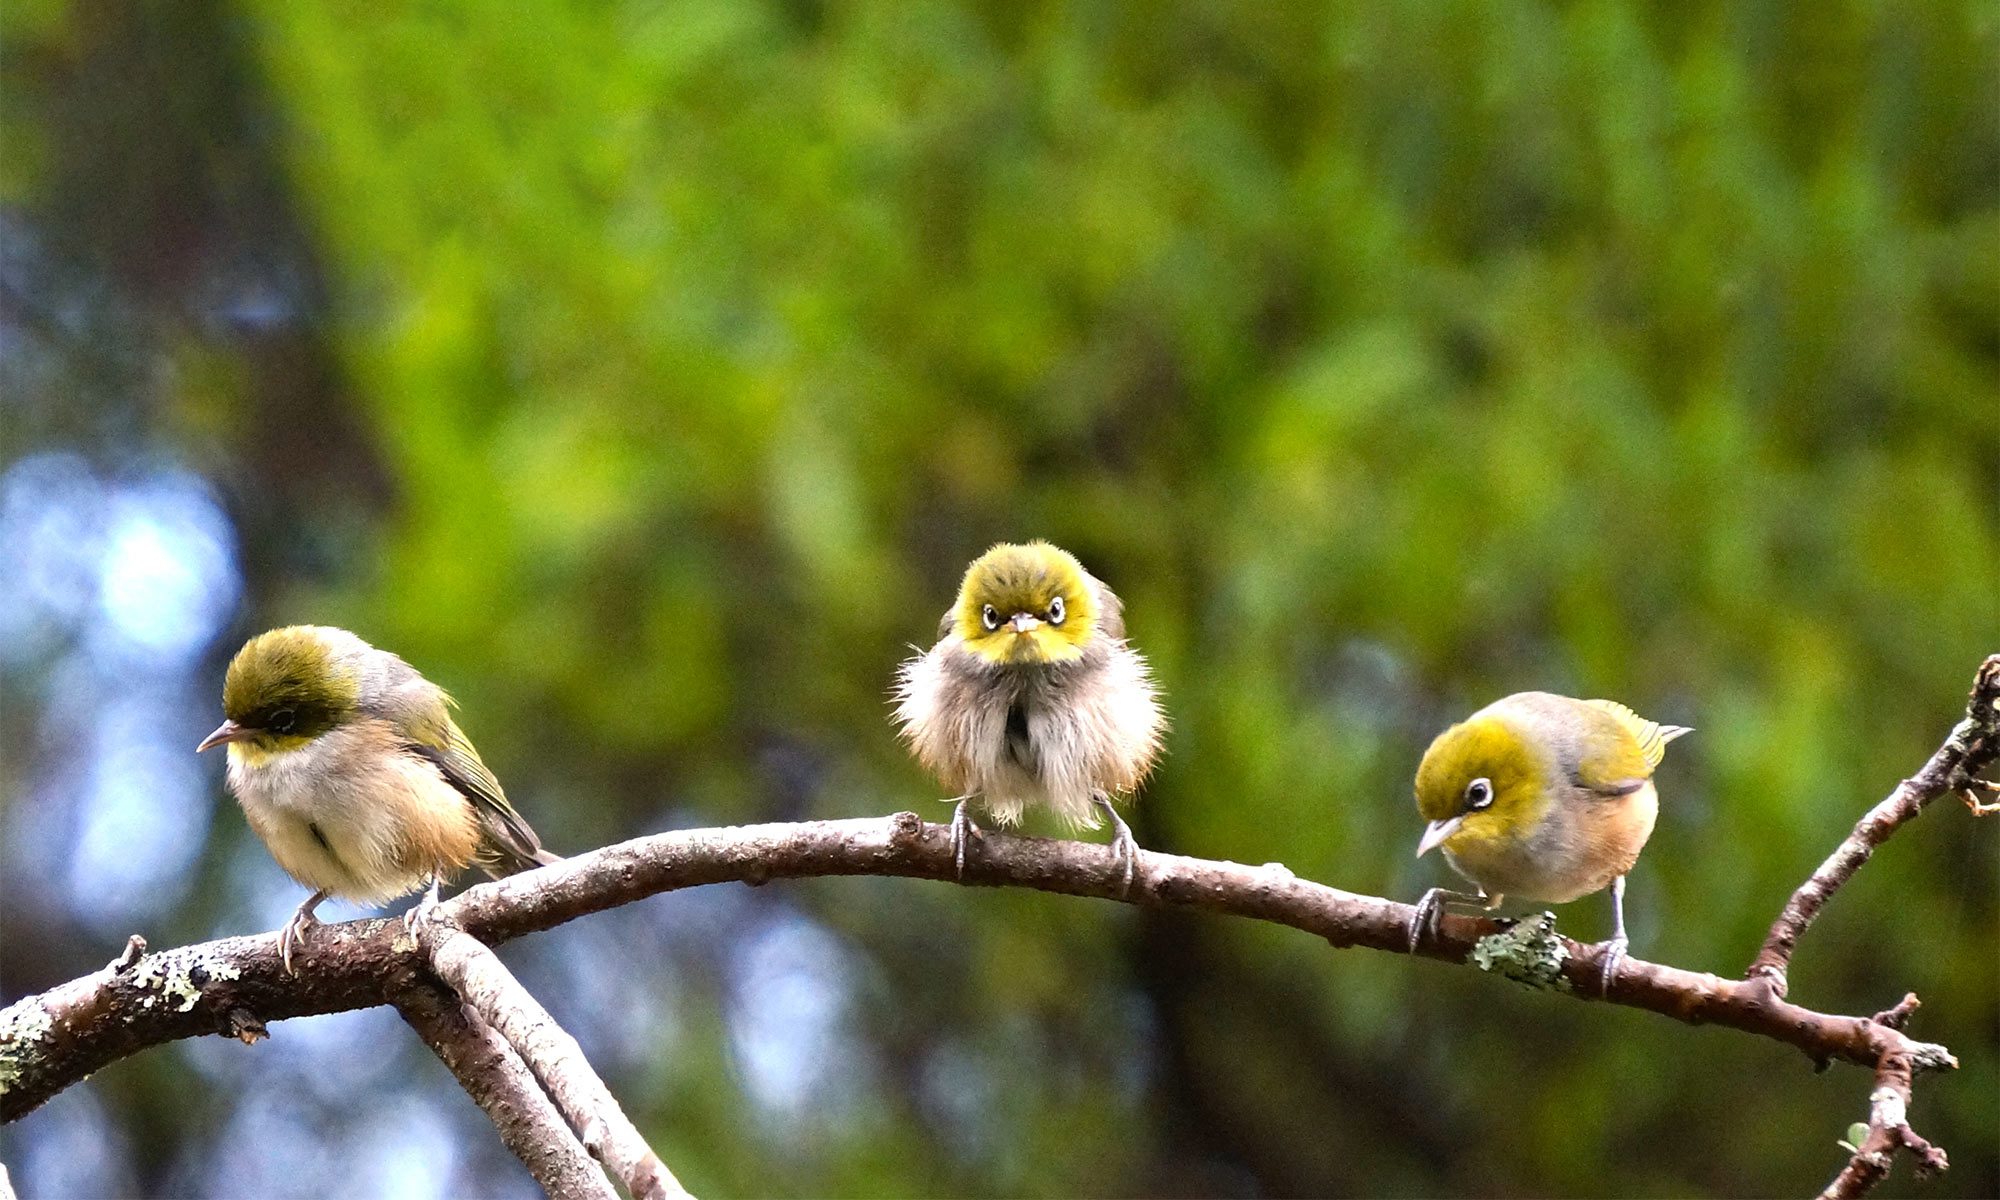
(1025, 622)
(228, 731)
(1436, 832)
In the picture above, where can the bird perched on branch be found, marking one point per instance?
(1544, 798)
(349, 766)
(1031, 698)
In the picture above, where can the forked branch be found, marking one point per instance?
(51, 1040)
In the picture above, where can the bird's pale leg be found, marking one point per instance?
(962, 830)
(421, 910)
(1614, 950)
(294, 933)
(1433, 904)
(1124, 847)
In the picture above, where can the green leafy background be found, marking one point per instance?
(647, 373)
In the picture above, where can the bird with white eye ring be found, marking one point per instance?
(1542, 797)
(1032, 698)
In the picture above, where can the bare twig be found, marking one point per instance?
(1965, 754)
(135, 947)
(490, 990)
(499, 1082)
(1888, 1131)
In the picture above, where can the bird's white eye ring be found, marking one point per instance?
(1056, 612)
(990, 617)
(1478, 795)
(283, 721)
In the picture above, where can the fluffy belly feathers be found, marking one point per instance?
(1018, 738)
(355, 818)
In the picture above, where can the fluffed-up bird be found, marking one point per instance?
(349, 766)
(1031, 698)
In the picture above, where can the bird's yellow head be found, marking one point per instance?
(1480, 782)
(285, 688)
(1025, 605)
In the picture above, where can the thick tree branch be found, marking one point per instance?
(499, 1082)
(490, 990)
(232, 986)
(49, 1041)
(1953, 769)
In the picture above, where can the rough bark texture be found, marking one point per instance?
(1888, 1124)
(499, 1082)
(490, 990)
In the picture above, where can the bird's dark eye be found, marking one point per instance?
(990, 617)
(1478, 795)
(282, 721)
(1056, 611)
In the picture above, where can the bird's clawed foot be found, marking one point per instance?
(1613, 957)
(1425, 919)
(295, 930)
(1614, 948)
(1124, 847)
(420, 913)
(962, 831)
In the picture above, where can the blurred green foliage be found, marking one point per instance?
(1386, 358)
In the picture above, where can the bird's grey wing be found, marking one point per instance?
(1110, 610)
(946, 621)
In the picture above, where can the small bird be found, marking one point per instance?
(1031, 698)
(1542, 797)
(348, 764)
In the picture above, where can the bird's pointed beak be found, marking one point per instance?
(228, 731)
(1435, 832)
(1025, 622)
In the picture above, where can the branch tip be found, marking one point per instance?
(135, 949)
(1967, 751)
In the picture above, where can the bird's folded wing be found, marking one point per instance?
(462, 768)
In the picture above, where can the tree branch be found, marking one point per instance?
(51, 1040)
(89, 1022)
(1888, 1126)
(490, 990)
(1953, 769)
(499, 1082)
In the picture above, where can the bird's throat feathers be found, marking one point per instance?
(262, 749)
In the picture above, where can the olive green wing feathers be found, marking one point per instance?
(1623, 762)
(1651, 735)
(510, 845)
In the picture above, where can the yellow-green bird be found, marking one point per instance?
(1541, 797)
(349, 766)
(1031, 697)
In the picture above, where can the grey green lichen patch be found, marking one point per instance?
(23, 1025)
(1529, 952)
(179, 975)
